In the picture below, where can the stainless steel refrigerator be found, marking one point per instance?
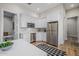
(52, 33)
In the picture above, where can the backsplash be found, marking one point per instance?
(41, 29)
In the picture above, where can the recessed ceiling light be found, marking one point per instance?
(34, 15)
(38, 9)
(72, 5)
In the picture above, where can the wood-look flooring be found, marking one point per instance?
(70, 46)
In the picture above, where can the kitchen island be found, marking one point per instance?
(23, 48)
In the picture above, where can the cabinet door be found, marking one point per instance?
(40, 23)
(43, 23)
(23, 21)
(37, 23)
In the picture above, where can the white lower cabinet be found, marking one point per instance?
(40, 36)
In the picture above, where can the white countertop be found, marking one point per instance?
(23, 48)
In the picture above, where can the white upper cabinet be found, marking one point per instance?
(26, 19)
(40, 36)
(23, 21)
(40, 23)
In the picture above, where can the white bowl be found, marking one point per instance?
(6, 48)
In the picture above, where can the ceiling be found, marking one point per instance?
(40, 7)
(69, 6)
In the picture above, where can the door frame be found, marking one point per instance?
(2, 22)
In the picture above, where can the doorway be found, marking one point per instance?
(52, 33)
(72, 29)
(9, 26)
(71, 45)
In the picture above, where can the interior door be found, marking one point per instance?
(72, 29)
(52, 33)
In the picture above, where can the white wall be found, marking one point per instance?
(1, 25)
(72, 12)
